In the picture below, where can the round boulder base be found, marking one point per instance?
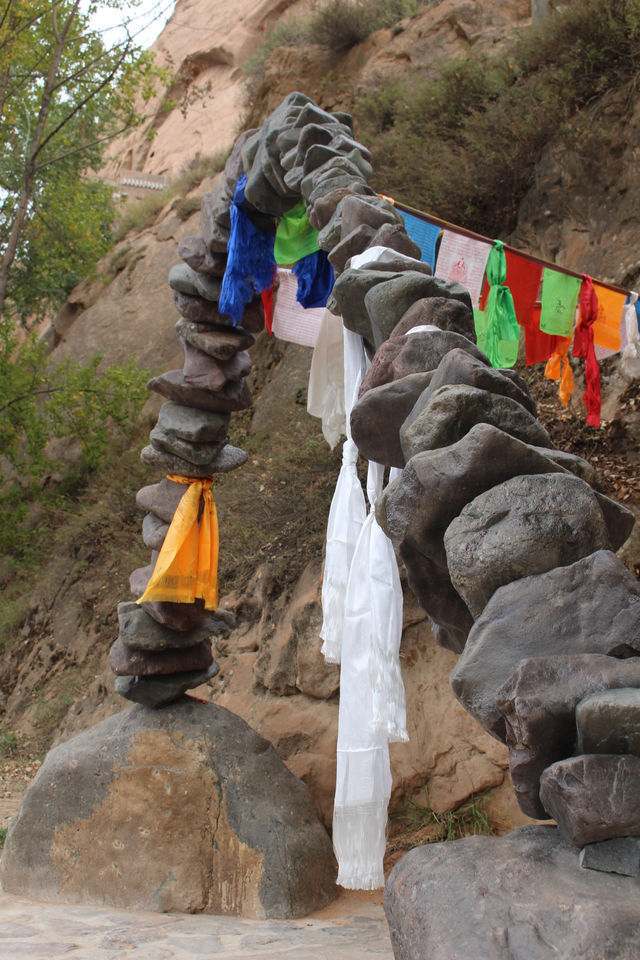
(182, 809)
(519, 897)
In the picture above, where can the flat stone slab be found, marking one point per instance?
(189, 423)
(226, 459)
(519, 897)
(592, 606)
(609, 722)
(230, 397)
(139, 630)
(219, 342)
(244, 836)
(135, 662)
(620, 855)
(154, 692)
(593, 797)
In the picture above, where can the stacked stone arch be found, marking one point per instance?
(508, 543)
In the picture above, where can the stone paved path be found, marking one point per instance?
(354, 928)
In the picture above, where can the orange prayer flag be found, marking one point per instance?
(606, 329)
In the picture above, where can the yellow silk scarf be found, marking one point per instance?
(187, 566)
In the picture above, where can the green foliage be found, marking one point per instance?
(92, 407)
(469, 819)
(465, 142)
(63, 95)
(3, 835)
(8, 744)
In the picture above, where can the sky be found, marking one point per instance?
(146, 20)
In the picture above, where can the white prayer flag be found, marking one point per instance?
(291, 321)
(463, 260)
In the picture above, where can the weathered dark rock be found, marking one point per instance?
(202, 370)
(440, 312)
(154, 692)
(221, 342)
(304, 138)
(620, 855)
(200, 454)
(218, 202)
(244, 835)
(592, 606)
(227, 458)
(538, 704)
(142, 632)
(178, 616)
(378, 415)
(347, 298)
(135, 662)
(154, 530)
(194, 284)
(388, 302)
(373, 212)
(198, 310)
(232, 396)
(352, 244)
(394, 235)
(195, 253)
(593, 797)
(454, 408)
(189, 423)
(413, 353)
(397, 263)
(460, 367)
(324, 202)
(215, 236)
(321, 153)
(524, 526)
(161, 498)
(608, 721)
(519, 897)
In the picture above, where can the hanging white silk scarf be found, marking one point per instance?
(347, 512)
(372, 703)
(325, 396)
(630, 360)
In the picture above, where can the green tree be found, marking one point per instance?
(63, 96)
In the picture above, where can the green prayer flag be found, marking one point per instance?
(295, 237)
(559, 298)
(497, 329)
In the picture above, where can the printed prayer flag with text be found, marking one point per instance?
(559, 298)
(463, 260)
(606, 329)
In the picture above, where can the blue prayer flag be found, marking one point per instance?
(424, 234)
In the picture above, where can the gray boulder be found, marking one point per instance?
(519, 897)
(188, 281)
(154, 530)
(619, 855)
(202, 370)
(352, 244)
(161, 498)
(135, 662)
(198, 310)
(347, 298)
(608, 721)
(199, 454)
(154, 692)
(226, 459)
(172, 385)
(220, 342)
(454, 408)
(189, 423)
(593, 797)
(244, 836)
(380, 412)
(413, 353)
(538, 704)
(196, 254)
(139, 630)
(591, 606)
(522, 527)
(388, 302)
(437, 311)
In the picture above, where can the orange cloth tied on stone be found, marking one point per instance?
(187, 566)
(559, 368)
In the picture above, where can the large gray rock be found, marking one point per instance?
(353, 243)
(413, 353)
(139, 630)
(161, 498)
(198, 310)
(394, 236)
(388, 302)
(154, 692)
(202, 370)
(592, 606)
(226, 459)
(619, 855)
(538, 703)
(196, 254)
(608, 721)
(134, 662)
(519, 897)
(522, 527)
(437, 311)
(182, 809)
(347, 298)
(324, 201)
(199, 454)
(186, 280)
(380, 412)
(172, 385)
(219, 342)
(593, 797)
(189, 423)
(453, 409)
(154, 530)
(460, 367)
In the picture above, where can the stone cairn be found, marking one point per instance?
(508, 543)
